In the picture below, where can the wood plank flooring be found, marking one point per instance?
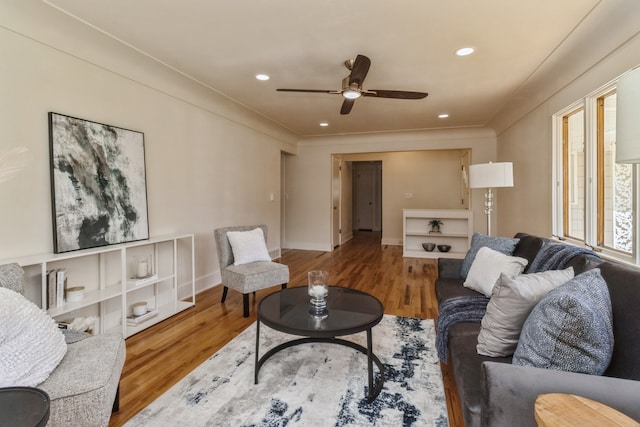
(160, 356)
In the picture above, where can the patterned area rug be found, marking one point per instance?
(315, 384)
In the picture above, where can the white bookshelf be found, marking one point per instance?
(106, 274)
(456, 230)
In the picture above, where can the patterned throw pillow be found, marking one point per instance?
(512, 300)
(570, 329)
(501, 244)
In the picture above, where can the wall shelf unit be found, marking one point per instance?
(456, 230)
(108, 274)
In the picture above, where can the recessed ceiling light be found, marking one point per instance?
(443, 116)
(262, 77)
(324, 124)
(465, 51)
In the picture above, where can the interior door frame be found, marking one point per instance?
(336, 201)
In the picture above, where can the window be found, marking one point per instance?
(574, 173)
(615, 183)
(595, 196)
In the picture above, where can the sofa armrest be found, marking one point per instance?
(449, 268)
(509, 392)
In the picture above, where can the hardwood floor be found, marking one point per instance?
(160, 356)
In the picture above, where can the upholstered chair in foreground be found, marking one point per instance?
(245, 263)
(82, 381)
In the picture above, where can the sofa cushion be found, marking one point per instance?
(501, 244)
(248, 246)
(512, 299)
(624, 289)
(528, 247)
(570, 329)
(487, 267)
(452, 288)
(83, 386)
(31, 345)
(465, 364)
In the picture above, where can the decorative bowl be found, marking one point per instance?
(139, 308)
(429, 246)
(444, 248)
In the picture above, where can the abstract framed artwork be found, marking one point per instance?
(98, 184)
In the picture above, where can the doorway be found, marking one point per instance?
(367, 196)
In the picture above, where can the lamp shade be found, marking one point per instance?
(491, 175)
(628, 118)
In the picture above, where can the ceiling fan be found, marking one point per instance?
(352, 86)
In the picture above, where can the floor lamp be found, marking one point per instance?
(490, 176)
(628, 118)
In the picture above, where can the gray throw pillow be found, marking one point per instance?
(570, 329)
(512, 300)
(503, 245)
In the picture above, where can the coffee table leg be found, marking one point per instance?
(255, 368)
(370, 363)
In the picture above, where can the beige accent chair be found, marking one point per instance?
(84, 388)
(247, 278)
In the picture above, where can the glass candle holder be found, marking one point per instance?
(318, 291)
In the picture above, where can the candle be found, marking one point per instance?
(319, 291)
(142, 269)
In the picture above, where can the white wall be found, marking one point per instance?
(527, 141)
(210, 162)
(308, 183)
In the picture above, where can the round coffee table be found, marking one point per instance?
(350, 312)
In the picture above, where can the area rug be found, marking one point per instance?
(317, 384)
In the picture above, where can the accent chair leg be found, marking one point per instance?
(224, 294)
(245, 303)
(116, 401)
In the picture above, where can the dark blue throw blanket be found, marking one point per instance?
(456, 310)
(555, 256)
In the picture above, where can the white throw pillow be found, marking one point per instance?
(248, 246)
(511, 301)
(486, 269)
(31, 345)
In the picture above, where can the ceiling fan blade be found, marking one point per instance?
(397, 94)
(359, 70)
(347, 105)
(309, 90)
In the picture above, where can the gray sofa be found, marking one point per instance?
(83, 388)
(493, 392)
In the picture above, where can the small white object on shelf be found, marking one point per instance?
(134, 320)
(75, 293)
(138, 281)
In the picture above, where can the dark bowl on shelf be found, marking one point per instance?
(444, 248)
(429, 246)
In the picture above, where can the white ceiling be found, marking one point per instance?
(303, 44)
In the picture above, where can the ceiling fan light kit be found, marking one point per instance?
(352, 88)
(351, 94)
